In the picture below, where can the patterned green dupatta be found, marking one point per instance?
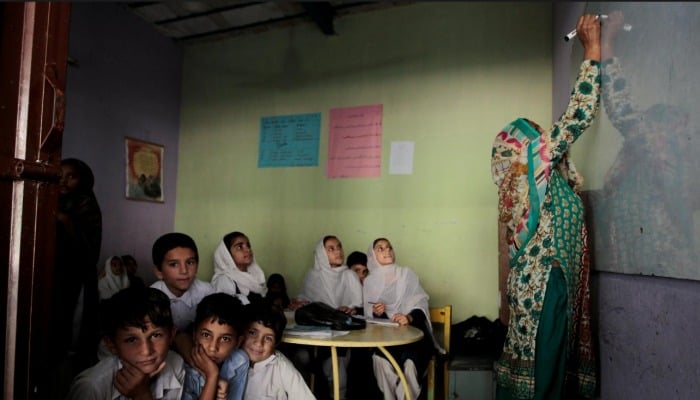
(522, 178)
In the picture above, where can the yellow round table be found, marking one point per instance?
(374, 335)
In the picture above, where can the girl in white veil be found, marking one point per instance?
(114, 278)
(330, 281)
(394, 292)
(235, 270)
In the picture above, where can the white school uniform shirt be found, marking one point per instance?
(97, 382)
(276, 378)
(184, 308)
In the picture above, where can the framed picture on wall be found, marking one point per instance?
(144, 170)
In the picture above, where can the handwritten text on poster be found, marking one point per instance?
(289, 140)
(355, 142)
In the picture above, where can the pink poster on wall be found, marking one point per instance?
(355, 142)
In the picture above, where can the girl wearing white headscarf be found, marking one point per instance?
(330, 281)
(114, 279)
(394, 292)
(235, 270)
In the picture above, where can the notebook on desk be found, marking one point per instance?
(313, 331)
(378, 321)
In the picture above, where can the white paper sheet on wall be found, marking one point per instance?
(401, 160)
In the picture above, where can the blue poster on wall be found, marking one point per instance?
(289, 140)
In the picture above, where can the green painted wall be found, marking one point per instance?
(450, 76)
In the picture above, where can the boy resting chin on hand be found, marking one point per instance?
(219, 368)
(138, 329)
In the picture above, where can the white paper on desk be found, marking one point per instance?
(401, 158)
(378, 321)
(312, 331)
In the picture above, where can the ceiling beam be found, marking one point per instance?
(270, 22)
(239, 27)
(322, 14)
(141, 4)
(206, 13)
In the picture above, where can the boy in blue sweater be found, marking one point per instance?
(219, 368)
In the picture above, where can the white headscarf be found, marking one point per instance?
(110, 284)
(395, 286)
(336, 287)
(399, 289)
(227, 277)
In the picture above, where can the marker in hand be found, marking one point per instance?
(572, 34)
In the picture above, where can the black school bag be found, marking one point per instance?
(321, 314)
(478, 336)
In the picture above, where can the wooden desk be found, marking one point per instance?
(373, 335)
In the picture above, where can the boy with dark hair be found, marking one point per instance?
(217, 329)
(175, 260)
(357, 261)
(271, 374)
(138, 328)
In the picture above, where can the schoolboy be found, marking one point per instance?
(217, 328)
(271, 374)
(175, 260)
(138, 329)
(357, 261)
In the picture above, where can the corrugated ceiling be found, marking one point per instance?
(187, 21)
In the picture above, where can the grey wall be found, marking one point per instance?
(647, 329)
(127, 83)
(646, 326)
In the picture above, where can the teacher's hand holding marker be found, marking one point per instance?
(572, 34)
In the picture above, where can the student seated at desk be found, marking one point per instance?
(357, 261)
(361, 382)
(277, 292)
(330, 281)
(394, 292)
(138, 329)
(235, 270)
(271, 374)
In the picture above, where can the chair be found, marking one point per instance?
(441, 319)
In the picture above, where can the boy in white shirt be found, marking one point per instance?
(271, 374)
(175, 261)
(138, 329)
